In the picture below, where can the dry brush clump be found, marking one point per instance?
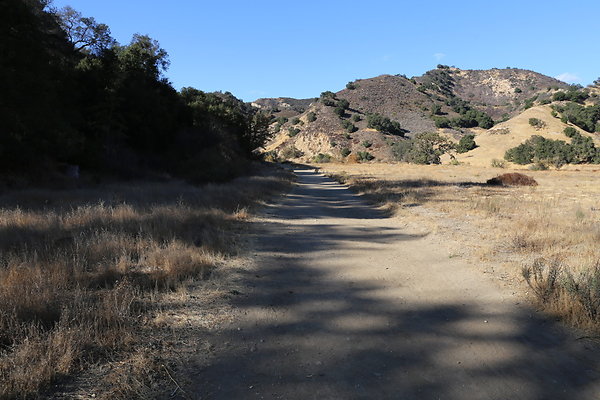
(512, 179)
(78, 268)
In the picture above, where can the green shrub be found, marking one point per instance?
(311, 117)
(518, 90)
(356, 118)
(570, 132)
(367, 144)
(351, 86)
(537, 123)
(384, 124)
(295, 121)
(441, 122)
(343, 103)
(345, 152)
(293, 132)
(466, 143)
(322, 158)
(339, 111)
(282, 120)
(364, 156)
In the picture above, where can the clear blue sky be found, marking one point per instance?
(301, 48)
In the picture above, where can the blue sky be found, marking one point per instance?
(299, 49)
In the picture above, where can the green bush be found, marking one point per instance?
(322, 158)
(282, 120)
(498, 163)
(441, 122)
(364, 156)
(367, 144)
(570, 132)
(295, 121)
(466, 143)
(293, 132)
(311, 117)
(289, 153)
(584, 117)
(343, 103)
(384, 124)
(537, 123)
(339, 111)
(356, 118)
(345, 152)
(351, 86)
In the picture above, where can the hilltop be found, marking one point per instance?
(371, 118)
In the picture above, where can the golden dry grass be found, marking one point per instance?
(553, 225)
(79, 268)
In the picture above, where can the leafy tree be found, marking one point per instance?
(84, 33)
(384, 124)
(428, 147)
(466, 143)
(351, 86)
(343, 103)
(570, 132)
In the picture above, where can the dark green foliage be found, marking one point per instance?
(556, 152)
(573, 93)
(356, 118)
(295, 121)
(436, 109)
(570, 132)
(345, 152)
(343, 103)
(441, 122)
(339, 111)
(351, 86)
(384, 124)
(530, 102)
(466, 143)
(518, 90)
(584, 117)
(439, 80)
(424, 148)
(71, 94)
(282, 120)
(349, 126)
(311, 117)
(537, 123)
(293, 132)
(367, 144)
(364, 156)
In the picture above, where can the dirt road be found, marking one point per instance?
(343, 303)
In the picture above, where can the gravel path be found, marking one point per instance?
(343, 303)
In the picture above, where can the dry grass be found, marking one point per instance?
(79, 268)
(555, 225)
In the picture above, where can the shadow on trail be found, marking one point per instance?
(311, 332)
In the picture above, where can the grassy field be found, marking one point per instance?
(81, 269)
(543, 238)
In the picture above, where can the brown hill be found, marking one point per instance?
(306, 128)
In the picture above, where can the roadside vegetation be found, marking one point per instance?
(82, 271)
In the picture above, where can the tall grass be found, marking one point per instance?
(77, 267)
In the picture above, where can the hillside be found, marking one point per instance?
(448, 100)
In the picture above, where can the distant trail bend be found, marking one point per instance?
(342, 303)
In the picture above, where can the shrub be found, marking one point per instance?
(345, 152)
(311, 117)
(537, 123)
(339, 111)
(367, 144)
(498, 163)
(296, 121)
(293, 132)
(364, 156)
(347, 136)
(282, 120)
(539, 148)
(512, 179)
(356, 118)
(343, 103)
(518, 90)
(436, 109)
(441, 122)
(466, 143)
(384, 124)
(351, 86)
(427, 148)
(570, 132)
(322, 158)
(290, 152)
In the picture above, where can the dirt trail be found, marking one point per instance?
(343, 303)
